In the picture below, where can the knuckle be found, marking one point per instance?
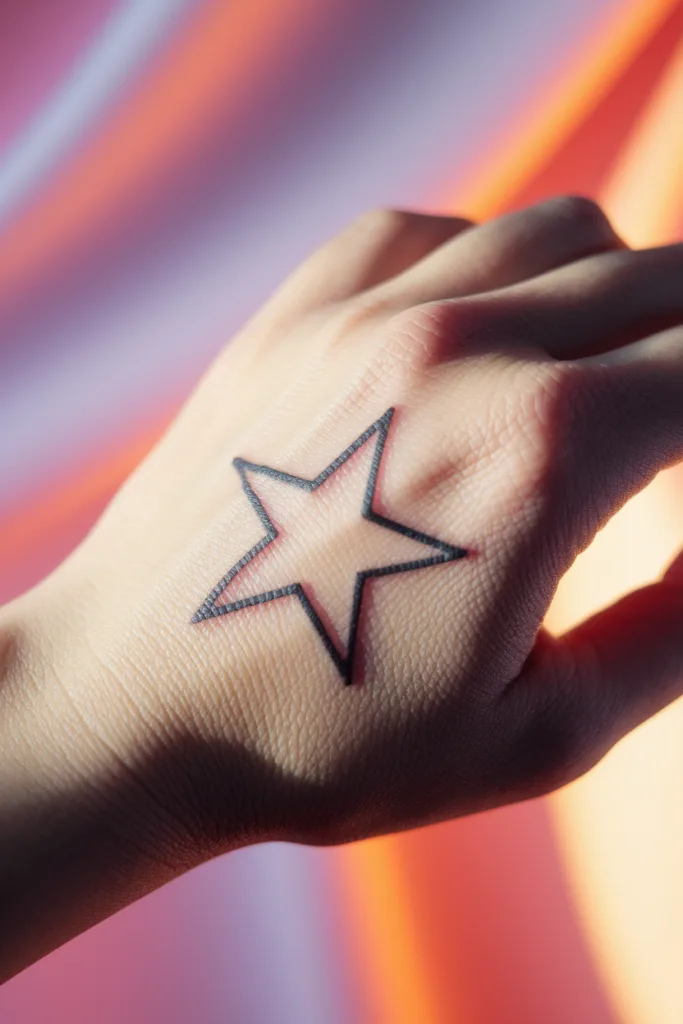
(383, 221)
(523, 427)
(419, 336)
(424, 334)
(619, 268)
(397, 349)
(355, 318)
(393, 223)
(580, 211)
(553, 747)
(474, 324)
(371, 227)
(444, 328)
(540, 399)
(565, 725)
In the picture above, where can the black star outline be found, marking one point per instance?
(447, 552)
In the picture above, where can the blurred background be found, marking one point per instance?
(163, 164)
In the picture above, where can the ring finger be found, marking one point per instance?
(593, 306)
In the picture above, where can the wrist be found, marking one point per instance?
(81, 836)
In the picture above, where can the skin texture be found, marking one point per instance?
(536, 368)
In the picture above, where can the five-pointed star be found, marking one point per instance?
(327, 600)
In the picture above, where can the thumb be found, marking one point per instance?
(585, 690)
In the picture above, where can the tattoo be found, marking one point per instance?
(344, 663)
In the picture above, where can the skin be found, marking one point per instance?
(536, 368)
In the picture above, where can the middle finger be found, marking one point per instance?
(505, 251)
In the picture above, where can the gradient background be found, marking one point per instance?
(163, 164)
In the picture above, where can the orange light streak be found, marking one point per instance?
(651, 166)
(397, 982)
(587, 78)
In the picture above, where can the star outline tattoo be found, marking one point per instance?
(344, 664)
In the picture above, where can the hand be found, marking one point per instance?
(523, 420)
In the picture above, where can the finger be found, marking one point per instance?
(589, 307)
(509, 249)
(587, 689)
(657, 347)
(609, 431)
(376, 246)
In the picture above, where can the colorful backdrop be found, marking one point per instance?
(163, 164)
